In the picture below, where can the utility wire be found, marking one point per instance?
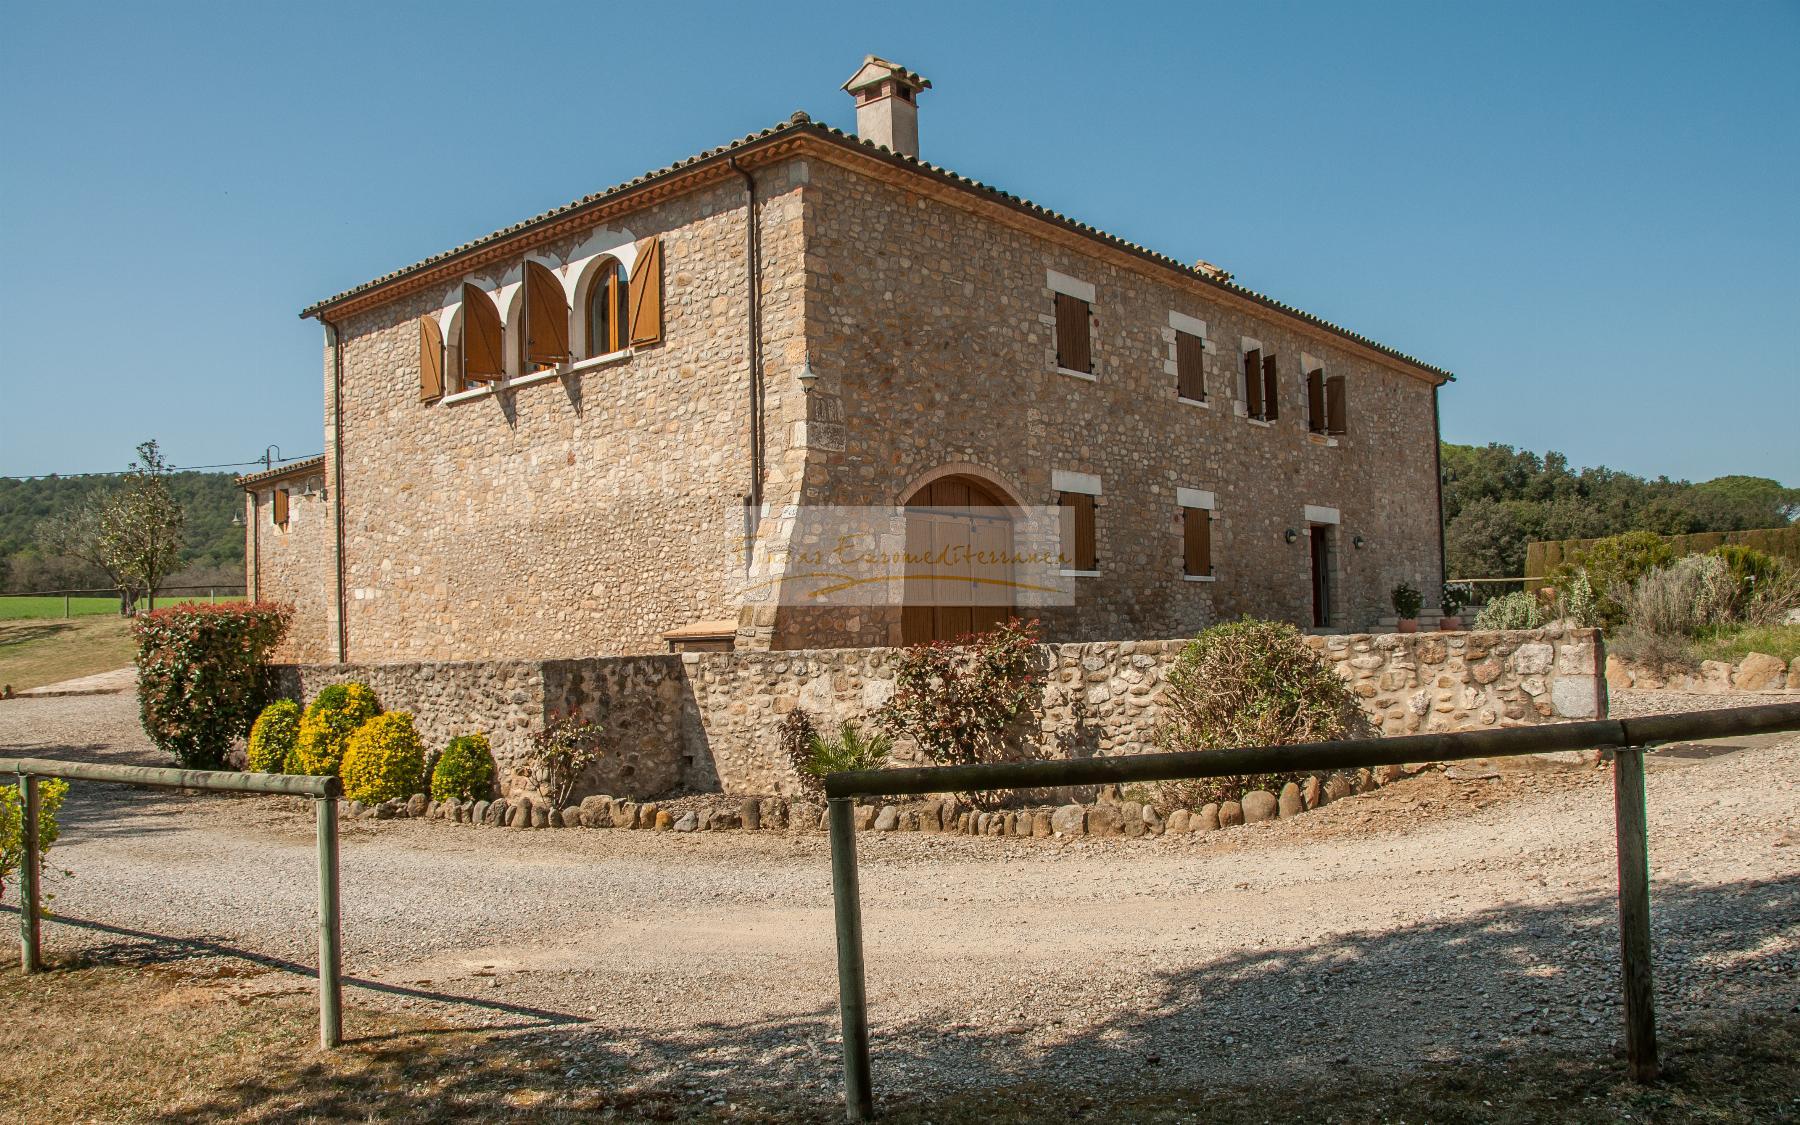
(173, 469)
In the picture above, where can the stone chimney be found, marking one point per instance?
(887, 104)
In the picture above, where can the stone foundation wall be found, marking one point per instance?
(707, 721)
(1757, 672)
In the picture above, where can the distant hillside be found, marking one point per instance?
(214, 549)
(1498, 499)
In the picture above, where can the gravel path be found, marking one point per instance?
(1430, 919)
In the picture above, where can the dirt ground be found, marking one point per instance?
(1437, 923)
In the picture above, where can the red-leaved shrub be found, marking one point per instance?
(200, 675)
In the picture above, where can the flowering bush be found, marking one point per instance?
(200, 675)
(1517, 610)
(1407, 601)
(384, 759)
(332, 717)
(1251, 683)
(464, 771)
(272, 737)
(960, 702)
(12, 825)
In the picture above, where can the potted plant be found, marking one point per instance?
(1407, 601)
(1454, 598)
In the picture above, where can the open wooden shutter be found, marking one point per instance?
(1190, 366)
(1253, 382)
(431, 360)
(481, 349)
(1196, 541)
(1336, 417)
(547, 318)
(1271, 389)
(1073, 349)
(647, 293)
(1315, 401)
(278, 512)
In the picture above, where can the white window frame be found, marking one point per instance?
(1202, 500)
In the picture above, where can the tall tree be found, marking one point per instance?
(140, 525)
(74, 534)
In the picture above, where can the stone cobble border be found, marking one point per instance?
(1758, 672)
(1105, 817)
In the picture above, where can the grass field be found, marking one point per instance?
(15, 608)
(146, 1034)
(1737, 642)
(43, 651)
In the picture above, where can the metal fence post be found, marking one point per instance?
(1634, 912)
(30, 954)
(331, 967)
(853, 1007)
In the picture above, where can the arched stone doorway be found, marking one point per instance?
(951, 521)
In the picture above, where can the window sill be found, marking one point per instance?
(1257, 422)
(1074, 374)
(1080, 574)
(1199, 578)
(1200, 402)
(1325, 440)
(548, 375)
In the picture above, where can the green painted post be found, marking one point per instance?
(853, 1005)
(331, 964)
(66, 612)
(30, 954)
(1632, 823)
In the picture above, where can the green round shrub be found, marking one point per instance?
(332, 717)
(272, 737)
(464, 771)
(384, 759)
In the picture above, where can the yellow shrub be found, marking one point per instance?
(272, 737)
(326, 727)
(385, 759)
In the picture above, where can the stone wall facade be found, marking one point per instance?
(1757, 672)
(706, 721)
(588, 513)
(292, 564)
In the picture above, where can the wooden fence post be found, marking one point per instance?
(30, 954)
(1632, 822)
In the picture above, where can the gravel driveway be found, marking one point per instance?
(1431, 919)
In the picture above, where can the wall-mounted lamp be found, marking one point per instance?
(237, 521)
(1357, 541)
(1290, 535)
(807, 376)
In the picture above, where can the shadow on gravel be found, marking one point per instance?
(148, 950)
(1522, 983)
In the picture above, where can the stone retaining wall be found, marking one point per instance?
(707, 721)
(1757, 672)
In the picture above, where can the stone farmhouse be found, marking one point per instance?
(556, 441)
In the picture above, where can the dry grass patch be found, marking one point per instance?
(146, 1040)
(43, 651)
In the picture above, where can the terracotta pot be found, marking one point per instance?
(1449, 624)
(1408, 624)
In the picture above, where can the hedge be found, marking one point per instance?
(1783, 542)
(200, 675)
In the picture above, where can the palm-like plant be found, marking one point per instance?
(849, 749)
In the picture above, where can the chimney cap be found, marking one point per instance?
(875, 69)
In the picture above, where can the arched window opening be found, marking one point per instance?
(607, 312)
(479, 338)
(544, 322)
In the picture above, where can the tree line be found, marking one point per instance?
(132, 533)
(1497, 499)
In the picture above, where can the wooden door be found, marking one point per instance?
(1321, 577)
(949, 592)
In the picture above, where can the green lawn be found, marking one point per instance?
(38, 652)
(23, 607)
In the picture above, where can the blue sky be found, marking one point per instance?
(1590, 212)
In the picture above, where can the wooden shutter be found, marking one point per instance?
(1190, 366)
(1335, 408)
(1253, 382)
(647, 293)
(1074, 351)
(1271, 389)
(278, 509)
(546, 316)
(1196, 541)
(1315, 401)
(431, 360)
(481, 354)
(1081, 546)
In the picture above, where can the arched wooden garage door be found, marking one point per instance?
(948, 522)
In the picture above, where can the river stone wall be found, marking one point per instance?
(706, 721)
(1757, 672)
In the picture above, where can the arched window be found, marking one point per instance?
(607, 312)
(543, 336)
